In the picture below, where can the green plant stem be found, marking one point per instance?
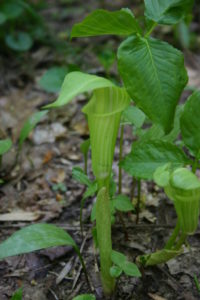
(85, 164)
(195, 164)
(150, 30)
(133, 188)
(138, 201)
(120, 178)
(83, 265)
(103, 224)
(81, 215)
(170, 243)
(181, 241)
(197, 283)
(120, 159)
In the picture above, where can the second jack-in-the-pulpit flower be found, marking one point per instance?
(103, 113)
(183, 188)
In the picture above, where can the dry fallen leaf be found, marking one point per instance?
(48, 156)
(156, 297)
(20, 215)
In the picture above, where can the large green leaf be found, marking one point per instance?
(5, 146)
(11, 9)
(190, 123)
(156, 132)
(76, 83)
(35, 237)
(145, 158)
(101, 22)
(167, 11)
(154, 75)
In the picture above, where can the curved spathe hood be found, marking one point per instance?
(104, 113)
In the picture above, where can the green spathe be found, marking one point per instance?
(104, 112)
(76, 83)
(183, 188)
(158, 257)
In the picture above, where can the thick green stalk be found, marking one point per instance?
(103, 223)
(181, 241)
(85, 163)
(170, 243)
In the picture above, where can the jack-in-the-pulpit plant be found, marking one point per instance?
(103, 113)
(183, 188)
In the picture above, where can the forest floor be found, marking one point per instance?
(47, 159)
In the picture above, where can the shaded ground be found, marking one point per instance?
(48, 158)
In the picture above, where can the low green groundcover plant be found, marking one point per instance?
(20, 25)
(154, 77)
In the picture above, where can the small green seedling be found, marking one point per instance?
(59, 187)
(17, 295)
(121, 264)
(29, 125)
(85, 297)
(197, 283)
